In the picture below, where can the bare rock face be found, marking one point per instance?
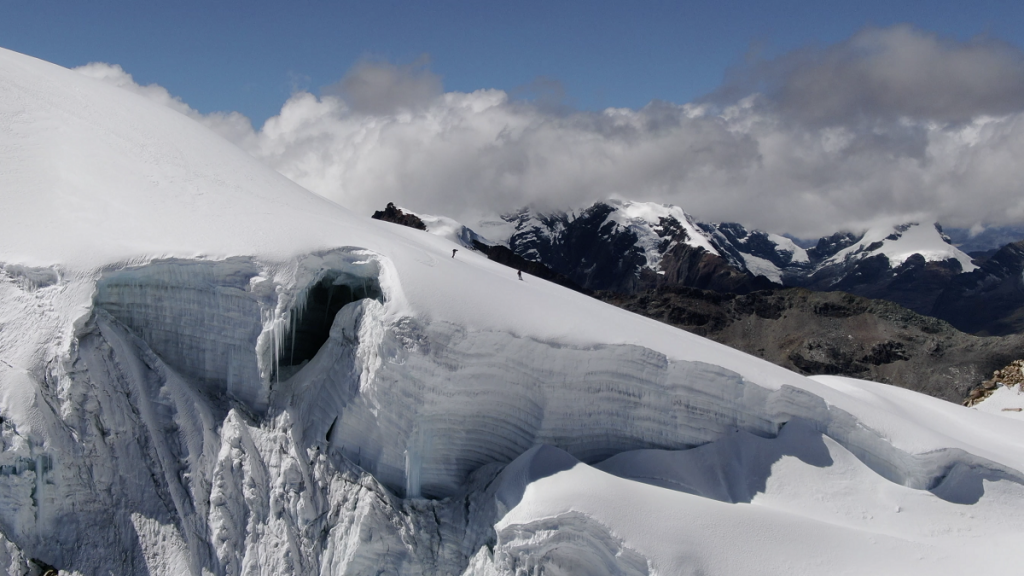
(915, 284)
(598, 253)
(685, 265)
(1009, 375)
(989, 300)
(834, 333)
(393, 214)
(589, 249)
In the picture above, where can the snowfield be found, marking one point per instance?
(901, 242)
(206, 369)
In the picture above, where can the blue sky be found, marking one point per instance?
(249, 56)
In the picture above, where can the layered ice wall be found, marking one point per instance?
(434, 402)
(228, 328)
(175, 437)
(421, 406)
(201, 318)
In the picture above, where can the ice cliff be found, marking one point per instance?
(204, 369)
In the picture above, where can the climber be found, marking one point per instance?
(520, 272)
(454, 250)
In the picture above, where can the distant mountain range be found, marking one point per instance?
(630, 247)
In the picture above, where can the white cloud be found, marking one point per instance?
(750, 160)
(232, 125)
(384, 88)
(889, 73)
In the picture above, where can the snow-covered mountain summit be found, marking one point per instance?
(204, 369)
(657, 228)
(630, 247)
(614, 245)
(898, 243)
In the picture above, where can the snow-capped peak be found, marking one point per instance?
(786, 245)
(897, 243)
(646, 220)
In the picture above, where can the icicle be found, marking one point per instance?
(277, 348)
(412, 474)
(291, 316)
(414, 463)
(39, 484)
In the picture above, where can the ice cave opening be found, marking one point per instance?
(205, 319)
(311, 321)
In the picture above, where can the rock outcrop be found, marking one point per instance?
(834, 333)
(394, 214)
(1009, 375)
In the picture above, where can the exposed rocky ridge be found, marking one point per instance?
(1010, 375)
(393, 214)
(915, 284)
(589, 249)
(737, 244)
(685, 265)
(834, 333)
(829, 246)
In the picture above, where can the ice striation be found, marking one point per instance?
(169, 430)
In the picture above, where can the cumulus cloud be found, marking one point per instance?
(115, 75)
(232, 125)
(889, 73)
(384, 88)
(761, 159)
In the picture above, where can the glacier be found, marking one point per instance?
(205, 369)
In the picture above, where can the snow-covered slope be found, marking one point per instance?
(206, 369)
(1006, 401)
